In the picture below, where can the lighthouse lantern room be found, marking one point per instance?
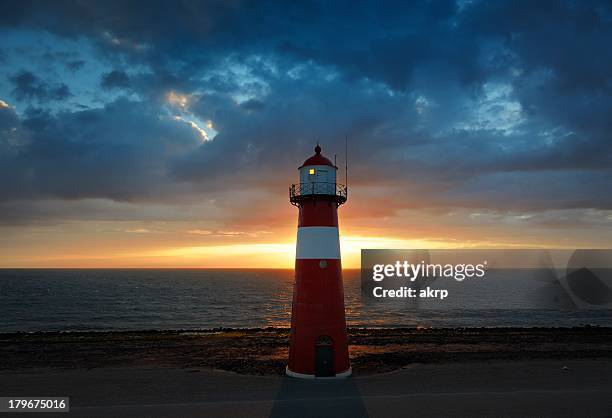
(318, 341)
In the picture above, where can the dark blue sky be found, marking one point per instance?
(468, 114)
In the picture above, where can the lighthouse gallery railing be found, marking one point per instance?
(303, 191)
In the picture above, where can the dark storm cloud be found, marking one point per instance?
(75, 65)
(118, 152)
(115, 79)
(252, 104)
(472, 104)
(28, 86)
(372, 39)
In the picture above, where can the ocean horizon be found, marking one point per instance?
(132, 299)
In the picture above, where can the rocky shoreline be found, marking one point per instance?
(264, 351)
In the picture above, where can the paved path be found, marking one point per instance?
(530, 388)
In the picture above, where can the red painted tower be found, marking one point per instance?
(318, 342)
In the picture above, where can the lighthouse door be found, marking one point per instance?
(324, 357)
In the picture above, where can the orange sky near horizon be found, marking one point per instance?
(241, 229)
(110, 244)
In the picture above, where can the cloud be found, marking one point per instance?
(28, 86)
(252, 104)
(493, 106)
(75, 65)
(118, 152)
(115, 79)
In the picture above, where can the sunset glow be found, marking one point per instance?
(143, 247)
(148, 145)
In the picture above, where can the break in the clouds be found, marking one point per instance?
(496, 107)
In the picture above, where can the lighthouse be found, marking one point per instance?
(318, 342)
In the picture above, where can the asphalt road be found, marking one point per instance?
(519, 388)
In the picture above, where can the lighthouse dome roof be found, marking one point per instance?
(317, 159)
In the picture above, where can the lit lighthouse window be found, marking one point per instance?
(311, 171)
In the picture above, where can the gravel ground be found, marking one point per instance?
(264, 351)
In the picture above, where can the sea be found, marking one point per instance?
(34, 300)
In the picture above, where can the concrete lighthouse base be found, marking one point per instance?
(342, 375)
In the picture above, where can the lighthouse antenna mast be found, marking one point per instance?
(346, 160)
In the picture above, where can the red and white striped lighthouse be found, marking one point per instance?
(318, 342)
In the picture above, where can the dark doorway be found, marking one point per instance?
(324, 357)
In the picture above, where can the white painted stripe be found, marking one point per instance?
(318, 242)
